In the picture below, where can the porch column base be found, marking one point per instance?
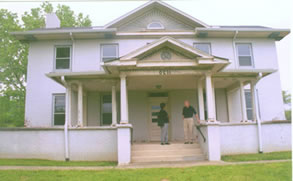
(213, 141)
(124, 143)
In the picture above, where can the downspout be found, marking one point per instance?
(233, 44)
(73, 49)
(260, 148)
(66, 122)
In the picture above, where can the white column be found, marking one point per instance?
(200, 100)
(209, 98)
(123, 102)
(242, 102)
(114, 110)
(80, 105)
(253, 100)
(214, 98)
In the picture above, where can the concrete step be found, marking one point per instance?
(195, 157)
(174, 152)
(157, 146)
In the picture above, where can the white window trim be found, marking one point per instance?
(210, 47)
(251, 52)
(117, 51)
(53, 108)
(155, 28)
(70, 58)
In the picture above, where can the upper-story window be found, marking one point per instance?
(244, 53)
(205, 47)
(155, 26)
(62, 57)
(109, 52)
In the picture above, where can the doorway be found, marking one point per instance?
(154, 109)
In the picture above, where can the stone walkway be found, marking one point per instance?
(139, 165)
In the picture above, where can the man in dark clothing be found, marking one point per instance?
(188, 112)
(163, 121)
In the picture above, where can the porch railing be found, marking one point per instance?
(198, 128)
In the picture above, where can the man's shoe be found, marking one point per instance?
(167, 143)
(162, 143)
(185, 142)
(190, 142)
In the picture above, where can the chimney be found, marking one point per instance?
(52, 21)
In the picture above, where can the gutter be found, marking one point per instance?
(259, 131)
(66, 121)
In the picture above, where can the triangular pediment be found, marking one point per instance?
(155, 11)
(166, 54)
(164, 49)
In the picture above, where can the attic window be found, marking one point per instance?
(155, 26)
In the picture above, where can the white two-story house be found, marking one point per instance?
(115, 76)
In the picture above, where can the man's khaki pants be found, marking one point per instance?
(188, 129)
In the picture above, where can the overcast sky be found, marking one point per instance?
(272, 13)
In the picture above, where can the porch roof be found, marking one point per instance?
(185, 56)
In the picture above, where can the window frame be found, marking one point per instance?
(248, 108)
(251, 54)
(53, 108)
(208, 43)
(155, 28)
(55, 57)
(101, 49)
(101, 108)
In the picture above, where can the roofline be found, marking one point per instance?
(152, 2)
(244, 29)
(60, 30)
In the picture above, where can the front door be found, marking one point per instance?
(154, 105)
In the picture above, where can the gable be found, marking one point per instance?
(155, 15)
(165, 54)
(156, 9)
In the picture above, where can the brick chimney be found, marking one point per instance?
(52, 21)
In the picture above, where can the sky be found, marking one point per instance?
(271, 13)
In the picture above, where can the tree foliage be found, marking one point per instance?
(14, 55)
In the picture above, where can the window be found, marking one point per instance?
(59, 109)
(63, 57)
(244, 53)
(106, 109)
(155, 26)
(109, 52)
(248, 104)
(205, 47)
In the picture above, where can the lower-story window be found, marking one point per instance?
(106, 109)
(248, 104)
(59, 109)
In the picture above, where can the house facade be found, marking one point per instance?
(115, 76)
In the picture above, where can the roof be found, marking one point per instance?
(201, 30)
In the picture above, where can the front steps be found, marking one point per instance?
(154, 152)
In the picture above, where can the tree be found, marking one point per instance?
(13, 55)
(287, 101)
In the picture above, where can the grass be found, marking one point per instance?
(39, 162)
(259, 156)
(246, 172)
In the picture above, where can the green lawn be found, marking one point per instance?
(39, 162)
(260, 156)
(245, 172)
